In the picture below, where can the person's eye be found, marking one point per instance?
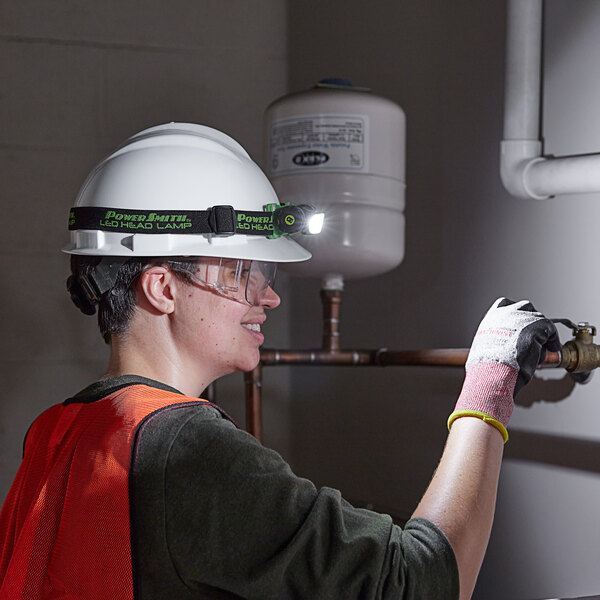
(229, 277)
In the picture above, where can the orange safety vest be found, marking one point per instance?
(65, 524)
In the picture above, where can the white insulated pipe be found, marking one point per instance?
(523, 70)
(525, 173)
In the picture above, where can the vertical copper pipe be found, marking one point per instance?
(253, 385)
(332, 301)
(210, 393)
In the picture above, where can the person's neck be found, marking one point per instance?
(134, 354)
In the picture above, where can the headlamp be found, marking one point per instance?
(289, 218)
(274, 221)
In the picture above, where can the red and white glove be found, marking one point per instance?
(510, 343)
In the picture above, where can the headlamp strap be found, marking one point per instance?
(218, 220)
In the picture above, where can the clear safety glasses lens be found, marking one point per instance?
(245, 281)
(261, 277)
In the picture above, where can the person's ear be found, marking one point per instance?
(157, 286)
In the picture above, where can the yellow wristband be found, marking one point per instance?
(480, 415)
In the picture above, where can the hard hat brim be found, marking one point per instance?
(101, 243)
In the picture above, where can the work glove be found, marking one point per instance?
(510, 343)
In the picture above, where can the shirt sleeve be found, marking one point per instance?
(237, 518)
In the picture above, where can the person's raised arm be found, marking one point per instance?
(509, 344)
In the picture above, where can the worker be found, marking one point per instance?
(136, 488)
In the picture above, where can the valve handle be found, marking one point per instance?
(567, 322)
(578, 328)
(584, 334)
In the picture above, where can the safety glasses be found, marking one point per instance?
(245, 281)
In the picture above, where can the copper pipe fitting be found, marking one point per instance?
(253, 385)
(332, 302)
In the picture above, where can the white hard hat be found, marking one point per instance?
(179, 189)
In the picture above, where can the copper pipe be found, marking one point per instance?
(331, 355)
(442, 357)
(253, 385)
(210, 393)
(552, 360)
(332, 301)
(382, 357)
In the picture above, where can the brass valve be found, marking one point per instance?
(580, 355)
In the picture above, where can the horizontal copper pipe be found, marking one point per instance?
(552, 360)
(444, 357)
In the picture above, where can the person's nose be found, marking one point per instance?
(270, 298)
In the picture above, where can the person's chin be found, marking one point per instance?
(250, 360)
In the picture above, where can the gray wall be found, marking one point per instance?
(77, 79)
(377, 434)
(81, 76)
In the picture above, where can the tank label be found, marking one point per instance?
(318, 142)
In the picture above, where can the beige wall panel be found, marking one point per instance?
(39, 187)
(44, 325)
(53, 94)
(178, 24)
(29, 387)
(80, 77)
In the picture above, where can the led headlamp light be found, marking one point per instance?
(290, 218)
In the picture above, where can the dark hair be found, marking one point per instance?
(116, 306)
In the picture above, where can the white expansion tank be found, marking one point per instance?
(341, 149)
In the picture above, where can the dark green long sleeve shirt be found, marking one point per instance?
(214, 514)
